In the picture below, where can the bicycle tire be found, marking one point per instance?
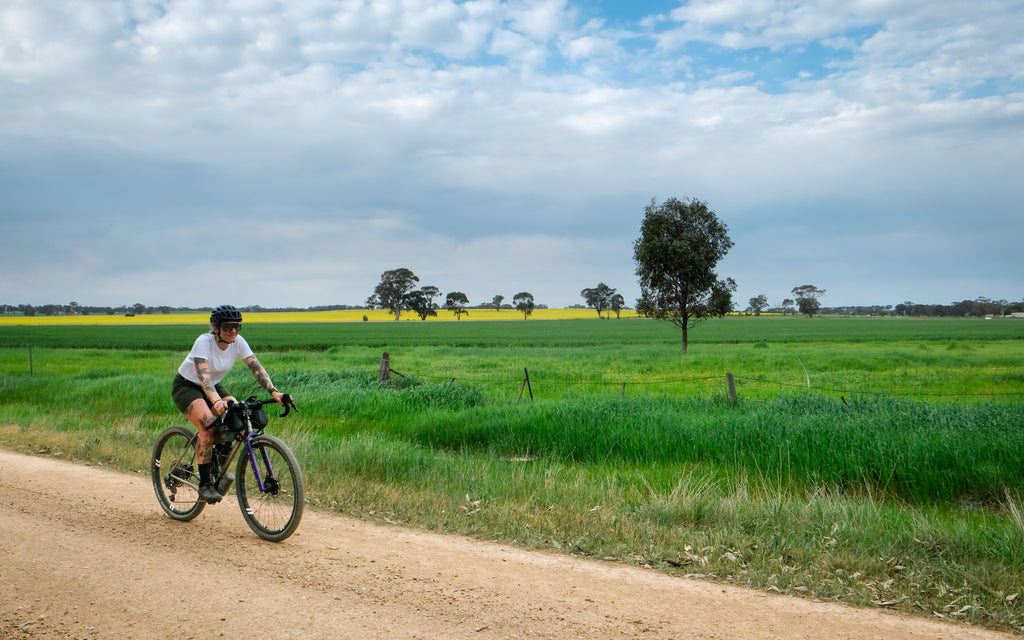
(273, 513)
(175, 473)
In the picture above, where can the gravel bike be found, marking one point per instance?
(269, 483)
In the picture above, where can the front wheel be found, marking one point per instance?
(175, 473)
(273, 512)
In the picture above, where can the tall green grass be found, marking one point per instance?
(907, 449)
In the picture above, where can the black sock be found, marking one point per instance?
(204, 473)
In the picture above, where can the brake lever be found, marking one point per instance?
(289, 404)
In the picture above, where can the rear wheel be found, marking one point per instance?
(274, 511)
(175, 473)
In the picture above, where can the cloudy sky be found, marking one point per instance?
(287, 152)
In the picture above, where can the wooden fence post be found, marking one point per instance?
(732, 386)
(384, 374)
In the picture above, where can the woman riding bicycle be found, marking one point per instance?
(197, 390)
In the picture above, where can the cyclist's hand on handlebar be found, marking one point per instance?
(286, 401)
(221, 407)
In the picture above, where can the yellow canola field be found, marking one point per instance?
(348, 315)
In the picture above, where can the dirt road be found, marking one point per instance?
(87, 554)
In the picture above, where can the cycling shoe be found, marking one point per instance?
(209, 494)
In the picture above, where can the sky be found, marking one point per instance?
(286, 153)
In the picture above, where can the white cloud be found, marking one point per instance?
(540, 20)
(776, 23)
(586, 47)
(519, 49)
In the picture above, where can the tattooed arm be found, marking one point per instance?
(262, 377)
(203, 371)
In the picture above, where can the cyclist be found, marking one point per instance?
(197, 390)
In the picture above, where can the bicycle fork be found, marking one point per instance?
(269, 483)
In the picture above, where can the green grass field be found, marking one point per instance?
(514, 331)
(875, 461)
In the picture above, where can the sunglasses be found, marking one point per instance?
(231, 326)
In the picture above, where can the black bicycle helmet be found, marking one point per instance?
(225, 313)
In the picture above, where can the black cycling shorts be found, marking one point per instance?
(185, 392)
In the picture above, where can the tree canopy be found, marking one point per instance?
(676, 254)
(391, 291)
(523, 302)
(456, 303)
(758, 304)
(421, 301)
(807, 299)
(618, 302)
(599, 297)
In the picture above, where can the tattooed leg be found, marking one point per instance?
(199, 415)
(204, 446)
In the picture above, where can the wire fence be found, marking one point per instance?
(730, 382)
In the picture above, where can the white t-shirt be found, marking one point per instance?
(220, 361)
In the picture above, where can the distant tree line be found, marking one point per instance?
(977, 308)
(138, 309)
(396, 292)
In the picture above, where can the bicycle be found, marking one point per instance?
(269, 483)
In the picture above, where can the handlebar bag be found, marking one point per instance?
(231, 423)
